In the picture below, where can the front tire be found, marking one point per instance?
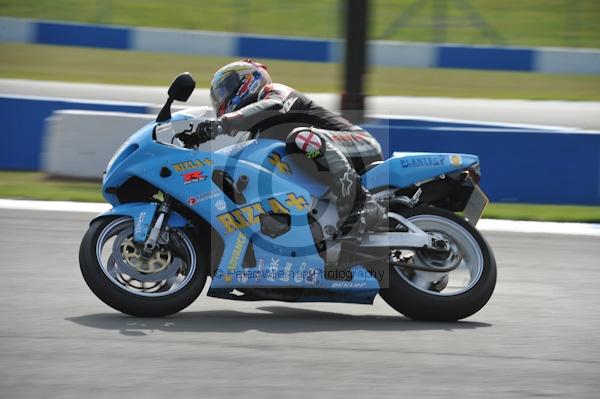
(181, 264)
(411, 294)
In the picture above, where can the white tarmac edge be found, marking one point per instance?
(513, 226)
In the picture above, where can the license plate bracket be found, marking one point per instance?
(475, 205)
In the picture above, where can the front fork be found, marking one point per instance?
(157, 229)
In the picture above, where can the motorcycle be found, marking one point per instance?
(263, 228)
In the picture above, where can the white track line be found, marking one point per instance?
(522, 226)
(514, 226)
(54, 206)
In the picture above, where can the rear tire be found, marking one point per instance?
(118, 297)
(420, 304)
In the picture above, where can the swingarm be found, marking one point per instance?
(404, 237)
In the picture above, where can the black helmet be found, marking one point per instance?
(237, 84)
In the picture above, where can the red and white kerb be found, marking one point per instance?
(307, 141)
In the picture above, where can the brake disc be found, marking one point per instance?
(129, 261)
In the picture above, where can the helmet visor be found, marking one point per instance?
(223, 87)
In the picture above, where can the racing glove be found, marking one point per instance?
(208, 130)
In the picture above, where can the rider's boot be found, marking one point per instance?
(358, 210)
(374, 213)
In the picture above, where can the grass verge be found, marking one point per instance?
(35, 185)
(74, 64)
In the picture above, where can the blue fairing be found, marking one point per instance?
(266, 154)
(407, 168)
(275, 184)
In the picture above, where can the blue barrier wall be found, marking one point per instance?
(81, 35)
(518, 165)
(505, 59)
(23, 121)
(284, 49)
(383, 53)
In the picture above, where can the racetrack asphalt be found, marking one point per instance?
(537, 337)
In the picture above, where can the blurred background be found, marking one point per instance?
(531, 23)
(565, 23)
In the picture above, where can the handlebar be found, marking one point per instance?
(204, 132)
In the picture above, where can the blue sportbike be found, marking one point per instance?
(263, 228)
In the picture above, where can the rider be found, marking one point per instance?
(245, 99)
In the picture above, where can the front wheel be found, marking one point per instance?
(442, 296)
(115, 270)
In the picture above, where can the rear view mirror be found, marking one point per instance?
(182, 87)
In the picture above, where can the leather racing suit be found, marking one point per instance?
(328, 141)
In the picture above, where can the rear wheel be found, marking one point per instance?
(442, 296)
(115, 270)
